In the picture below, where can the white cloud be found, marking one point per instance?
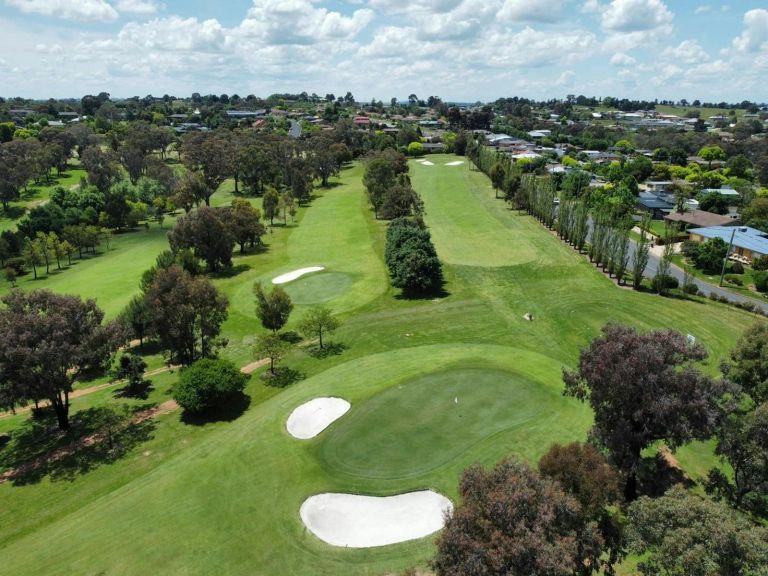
(592, 7)
(703, 9)
(140, 7)
(82, 10)
(687, 52)
(172, 34)
(566, 79)
(410, 6)
(636, 15)
(525, 11)
(621, 59)
(278, 22)
(755, 34)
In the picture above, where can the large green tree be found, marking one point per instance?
(681, 534)
(187, 314)
(207, 234)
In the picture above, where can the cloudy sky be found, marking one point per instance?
(461, 50)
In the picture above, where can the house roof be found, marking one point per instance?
(751, 239)
(700, 218)
(721, 191)
(653, 202)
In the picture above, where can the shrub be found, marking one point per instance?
(710, 254)
(748, 306)
(714, 297)
(723, 300)
(734, 279)
(17, 264)
(691, 288)
(662, 283)
(737, 268)
(761, 281)
(208, 383)
(760, 263)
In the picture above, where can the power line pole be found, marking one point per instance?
(727, 253)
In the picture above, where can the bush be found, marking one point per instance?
(691, 289)
(208, 383)
(17, 264)
(709, 256)
(748, 306)
(734, 279)
(714, 297)
(761, 281)
(760, 263)
(662, 283)
(737, 268)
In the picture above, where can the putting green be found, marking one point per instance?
(318, 288)
(426, 422)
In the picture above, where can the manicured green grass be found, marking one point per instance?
(111, 277)
(461, 411)
(224, 497)
(334, 232)
(36, 195)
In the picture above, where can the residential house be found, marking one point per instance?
(748, 243)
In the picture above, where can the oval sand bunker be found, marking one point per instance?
(308, 420)
(367, 521)
(290, 276)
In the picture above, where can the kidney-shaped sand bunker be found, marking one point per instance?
(356, 521)
(311, 418)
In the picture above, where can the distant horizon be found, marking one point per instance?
(468, 49)
(386, 101)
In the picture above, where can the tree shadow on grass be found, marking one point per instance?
(14, 212)
(232, 410)
(140, 391)
(282, 377)
(658, 473)
(97, 436)
(291, 337)
(330, 349)
(232, 271)
(438, 294)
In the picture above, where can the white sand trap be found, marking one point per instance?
(457, 163)
(290, 276)
(311, 418)
(367, 521)
(427, 163)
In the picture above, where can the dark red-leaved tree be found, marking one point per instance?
(643, 388)
(512, 522)
(46, 341)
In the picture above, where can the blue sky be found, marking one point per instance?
(462, 50)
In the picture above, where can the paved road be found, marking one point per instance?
(705, 287)
(295, 131)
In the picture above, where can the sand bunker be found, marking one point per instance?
(427, 163)
(290, 276)
(308, 420)
(366, 521)
(457, 163)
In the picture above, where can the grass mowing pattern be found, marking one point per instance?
(423, 424)
(225, 497)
